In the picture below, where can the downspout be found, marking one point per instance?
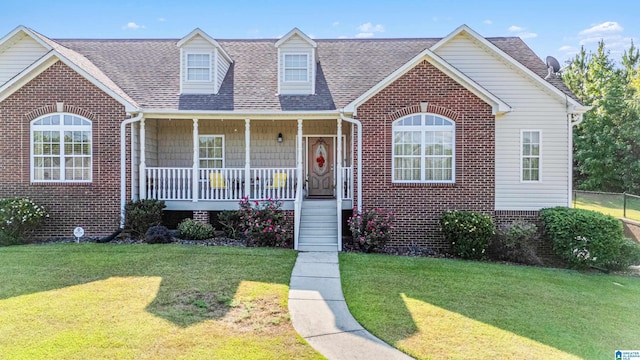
(123, 164)
(359, 185)
(571, 124)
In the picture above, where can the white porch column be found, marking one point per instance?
(195, 191)
(135, 159)
(299, 183)
(247, 157)
(299, 155)
(339, 184)
(143, 161)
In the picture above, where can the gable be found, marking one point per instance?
(296, 64)
(17, 53)
(424, 88)
(203, 64)
(495, 73)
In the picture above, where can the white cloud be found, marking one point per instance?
(368, 30)
(567, 48)
(605, 27)
(162, 19)
(364, 35)
(335, 23)
(133, 26)
(521, 33)
(527, 35)
(342, 37)
(487, 22)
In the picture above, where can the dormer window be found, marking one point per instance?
(295, 67)
(296, 64)
(198, 67)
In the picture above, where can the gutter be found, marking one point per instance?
(571, 124)
(359, 185)
(123, 164)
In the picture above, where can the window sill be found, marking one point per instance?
(421, 184)
(64, 183)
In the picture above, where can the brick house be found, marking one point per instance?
(417, 126)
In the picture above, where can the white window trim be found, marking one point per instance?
(187, 67)
(200, 136)
(421, 128)
(284, 68)
(522, 180)
(61, 128)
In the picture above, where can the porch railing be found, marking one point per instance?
(165, 183)
(273, 183)
(168, 183)
(221, 184)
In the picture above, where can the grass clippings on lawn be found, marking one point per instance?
(94, 301)
(443, 309)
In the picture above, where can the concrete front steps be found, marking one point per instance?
(318, 226)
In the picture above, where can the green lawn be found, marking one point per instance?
(611, 204)
(439, 308)
(100, 301)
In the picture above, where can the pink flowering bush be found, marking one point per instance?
(371, 229)
(265, 224)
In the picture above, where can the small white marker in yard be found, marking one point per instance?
(615, 283)
(78, 232)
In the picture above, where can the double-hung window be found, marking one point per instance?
(198, 67)
(296, 68)
(211, 151)
(61, 149)
(530, 141)
(423, 149)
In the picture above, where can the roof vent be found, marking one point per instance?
(553, 67)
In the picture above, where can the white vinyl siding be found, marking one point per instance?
(18, 56)
(530, 160)
(211, 149)
(198, 67)
(423, 149)
(61, 149)
(203, 67)
(294, 76)
(532, 107)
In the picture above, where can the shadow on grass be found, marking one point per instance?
(198, 283)
(418, 303)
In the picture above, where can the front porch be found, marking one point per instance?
(209, 165)
(221, 189)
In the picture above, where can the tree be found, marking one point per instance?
(607, 142)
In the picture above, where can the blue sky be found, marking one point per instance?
(556, 28)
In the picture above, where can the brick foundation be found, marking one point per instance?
(201, 216)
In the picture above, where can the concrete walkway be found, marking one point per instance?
(319, 312)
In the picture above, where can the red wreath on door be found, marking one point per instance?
(320, 161)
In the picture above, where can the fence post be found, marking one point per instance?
(624, 204)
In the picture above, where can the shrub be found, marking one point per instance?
(587, 238)
(468, 232)
(371, 229)
(265, 224)
(140, 215)
(513, 243)
(18, 217)
(230, 221)
(194, 230)
(158, 235)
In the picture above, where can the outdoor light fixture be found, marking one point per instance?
(279, 137)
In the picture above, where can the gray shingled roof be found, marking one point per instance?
(148, 71)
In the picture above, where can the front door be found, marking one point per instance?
(320, 166)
